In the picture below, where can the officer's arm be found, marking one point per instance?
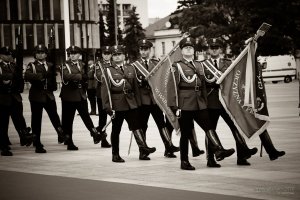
(6, 76)
(33, 76)
(67, 76)
(172, 87)
(105, 90)
(91, 72)
(136, 88)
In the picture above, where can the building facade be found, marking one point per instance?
(35, 19)
(123, 8)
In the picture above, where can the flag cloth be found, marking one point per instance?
(158, 78)
(242, 93)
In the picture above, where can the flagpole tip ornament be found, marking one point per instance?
(144, 43)
(188, 41)
(74, 49)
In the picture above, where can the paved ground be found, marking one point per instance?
(264, 179)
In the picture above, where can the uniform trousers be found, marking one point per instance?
(68, 113)
(186, 121)
(132, 118)
(37, 114)
(18, 117)
(102, 114)
(156, 113)
(214, 115)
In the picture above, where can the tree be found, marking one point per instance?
(235, 21)
(133, 33)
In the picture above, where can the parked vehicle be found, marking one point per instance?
(278, 68)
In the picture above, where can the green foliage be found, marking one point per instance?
(133, 33)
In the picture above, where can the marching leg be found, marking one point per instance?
(269, 147)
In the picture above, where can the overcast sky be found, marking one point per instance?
(161, 8)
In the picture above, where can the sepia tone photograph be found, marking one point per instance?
(149, 99)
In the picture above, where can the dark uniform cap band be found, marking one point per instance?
(40, 48)
(106, 49)
(188, 41)
(145, 43)
(74, 49)
(117, 49)
(214, 42)
(6, 51)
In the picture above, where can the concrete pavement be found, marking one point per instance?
(264, 179)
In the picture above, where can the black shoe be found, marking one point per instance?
(148, 150)
(197, 152)
(6, 152)
(117, 158)
(98, 136)
(174, 149)
(221, 154)
(105, 144)
(144, 156)
(212, 163)
(60, 140)
(243, 162)
(169, 154)
(276, 154)
(185, 165)
(250, 152)
(72, 147)
(40, 149)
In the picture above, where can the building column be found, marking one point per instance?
(41, 9)
(51, 10)
(30, 9)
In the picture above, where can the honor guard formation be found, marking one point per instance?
(122, 90)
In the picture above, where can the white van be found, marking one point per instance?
(278, 68)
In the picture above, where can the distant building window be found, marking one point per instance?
(163, 47)
(24, 10)
(29, 36)
(3, 11)
(126, 9)
(13, 9)
(7, 35)
(56, 9)
(173, 43)
(35, 10)
(40, 34)
(46, 9)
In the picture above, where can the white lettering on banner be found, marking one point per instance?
(161, 96)
(236, 94)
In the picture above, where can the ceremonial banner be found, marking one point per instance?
(242, 93)
(158, 78)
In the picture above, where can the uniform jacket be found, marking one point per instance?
(211, 87)
(98, 75)
(9, 89)
(124, 96)
(74, 82)
(42, 81)
(146, 94)
(191, 96)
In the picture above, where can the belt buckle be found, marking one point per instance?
(45, 87)
(125, 91)
(197, 88)
(79, 85)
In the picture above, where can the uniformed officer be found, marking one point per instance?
(41, 74)
(215, 107)
(191, 102)
(10, 99)
(149, 106)
(121, 101)
(96, 72)
(73, 97)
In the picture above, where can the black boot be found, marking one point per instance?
(243, 162)
(60, 135)
(26, 138)
(39, 148)
(105, 144)
(219, 151)
(97, 136)
(169, 147)
(70, 144)
(194, 144)
(186, 165)
(141, 142)
(117, 158)
(243, 151)
(269, 147)
(210, 155)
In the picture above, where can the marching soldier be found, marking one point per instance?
(121, 100)
(190, 103)
(73, 96)
(216, 109)
(96, 73)
(41, 75)
(149, 106)
(10, 101)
